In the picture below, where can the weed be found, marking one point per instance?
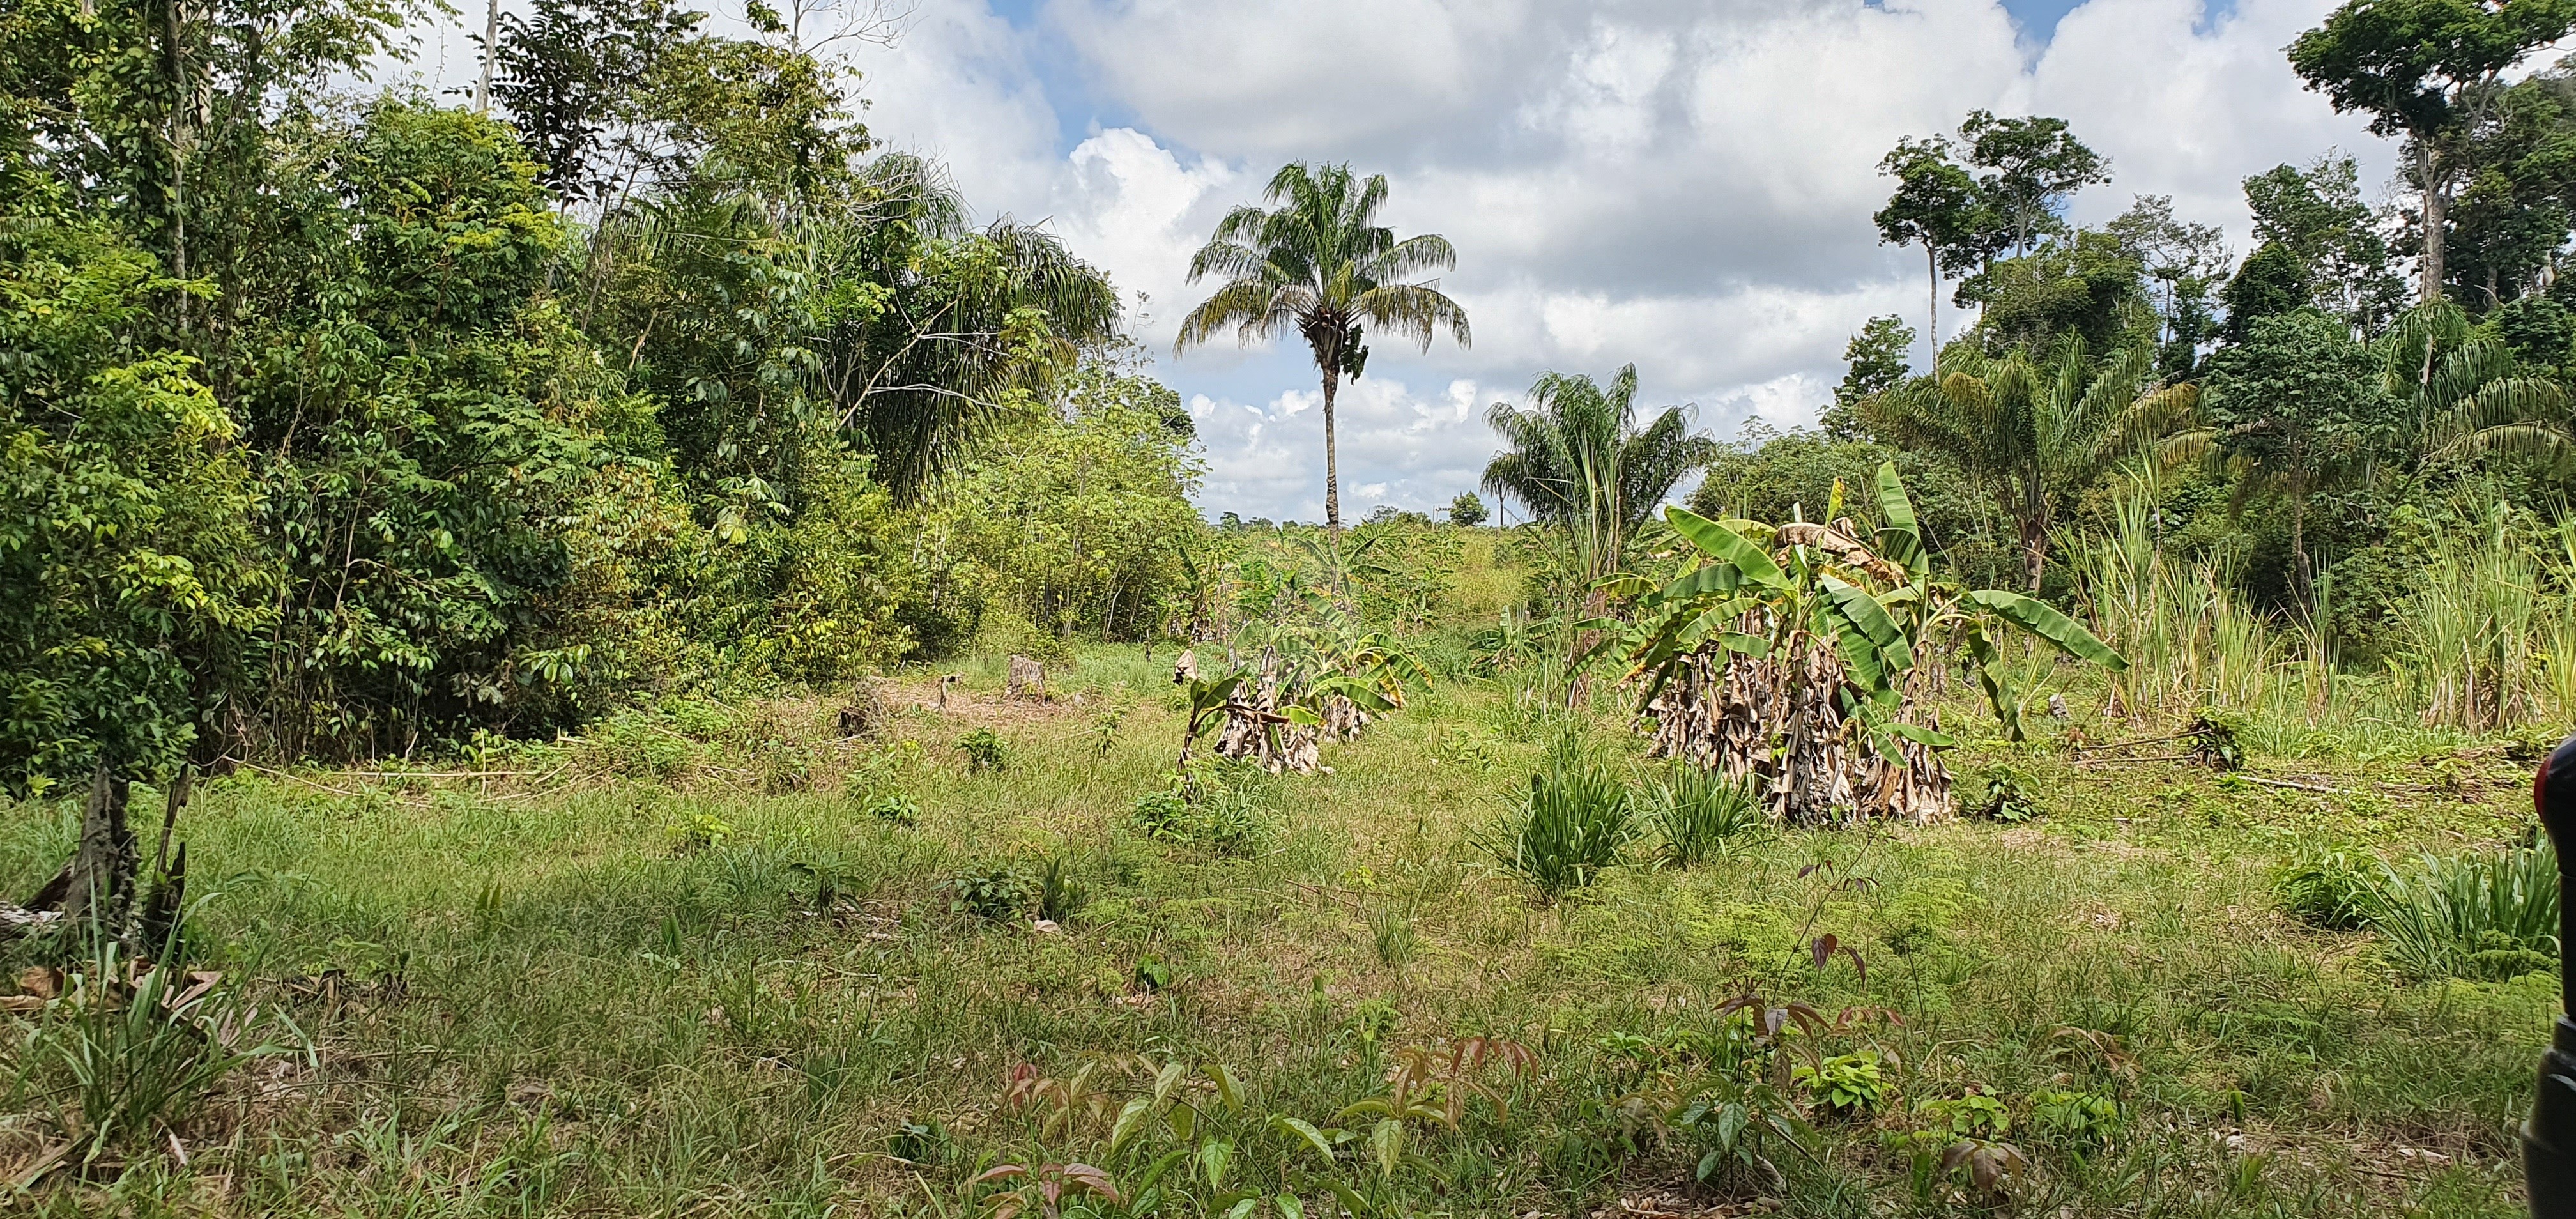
(130, 1054)
(921, 1141)
(2076, 1119)
(1061, 894)
(1975, 1115)
(702, 831)
(1228, 811)
(2485, 916)
(1573, 824)
(1702, 813)
(1737, 1130)
(2330, 887)
(998, 894)
(893, 808)
(2007, 797)
(984, 751)
(1391, 932)
(785, 768)
(1151, 974)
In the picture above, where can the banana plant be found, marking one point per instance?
(1792, 631)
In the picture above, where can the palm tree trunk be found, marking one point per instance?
(1332, 466)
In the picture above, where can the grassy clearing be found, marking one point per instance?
(679, 968)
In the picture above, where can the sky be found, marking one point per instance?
(1678, 184)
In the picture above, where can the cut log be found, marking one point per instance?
(1027, 679)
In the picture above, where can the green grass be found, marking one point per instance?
(540, 995)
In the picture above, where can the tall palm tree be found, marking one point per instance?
(2037, 433)
(1317, 263)
(2468, 399)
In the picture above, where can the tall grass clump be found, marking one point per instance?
(2190, 639)
(2489, 915)
(1573, 823)
(1701, 812)
(2491, 629)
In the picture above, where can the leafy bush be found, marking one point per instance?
(1976, 1115)
(2486, 915)
(1736, 1131)
(998, 894)
(1573, 823)
(984, 751)
(1701, 813)
(2007, 797)
(2329, 887)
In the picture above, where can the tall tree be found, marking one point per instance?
(2297, 407)
(2036, 434)
(1317, 264)
(1935, 206)
(2186, 262)
(2033, 166)
(1576, 457)
(1873, 362)
(2317, 215)
(2426, 70)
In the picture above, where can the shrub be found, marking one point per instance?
(1701, 813)
(2486, 916)
(984, 751)
(1574, 823)
(998, 894)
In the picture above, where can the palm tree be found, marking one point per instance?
(2468, 401)
(1318, 264)
(1576, 457)
(2037, 434)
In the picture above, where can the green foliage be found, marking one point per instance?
(2074, 1119)
(1849, 1085)
(1467, 511)
(1574, 823)
(997, 894)
(984, 751)
(122, 1057)
(1738, 1130)
(893, 808)
(1976, 1115)
(2331, 887)
(2479, 915)
(1702, 814)
(2007, 797)
(1061, 894)
(1229, 810)
(701, 831)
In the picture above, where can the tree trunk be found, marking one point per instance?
(2437, 208)
(2034, 555)
(1932, 269)
(491, 44)
(1332, 467)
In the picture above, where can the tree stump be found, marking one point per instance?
(1027, 679)
(866, 715)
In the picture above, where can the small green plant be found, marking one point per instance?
(2486, 916)
(126, 1055)
(2077, 1119)
(1227, 809)
(2007, 797)
(998, 894)
(1976, 1115)
(1738, 1130)
(1151, 974)
(1061, 894)
(893, 808)
(2330, 887)
(921, 1141)
(1702, 814)
(984, 751)
(1849, 1085)
(700, 832)
(1573, 824)
(1391, 932)
(784, 768)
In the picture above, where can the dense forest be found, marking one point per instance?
(825, 574)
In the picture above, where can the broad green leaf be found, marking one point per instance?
(1214, 1156)
(1228, 1088)
(1289, 1206)
(2041, 619)
(1305, 1130)
(1871, 644)
(1350, 1199)
(1900, 540)
(1921, 735)
(1727, 546)
(1130, 1116)
(1168, 1078)
(1387, 1140)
